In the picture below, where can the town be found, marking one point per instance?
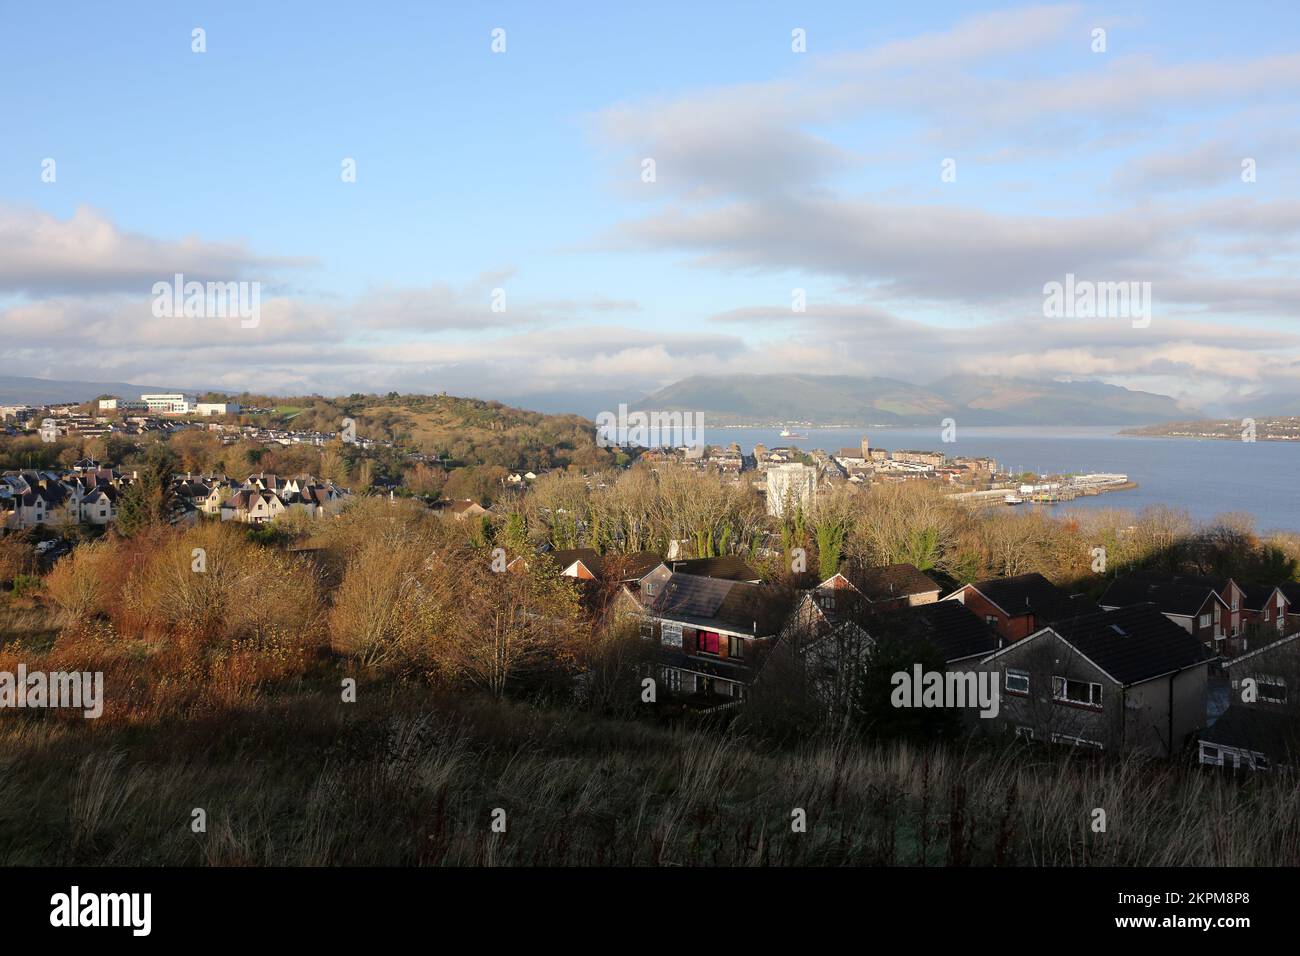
(1139, 661)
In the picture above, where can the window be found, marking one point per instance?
(735, 647)
(990, 620)
(672, 678)
(707, 642)
(1076, 691)
(1017, 682)
(1210, 754)
(737, 691)
(1076, 741)
(1205, 620)
(670, 633)
(648, 630)
(1024, 733)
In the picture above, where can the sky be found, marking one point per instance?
(566, 205)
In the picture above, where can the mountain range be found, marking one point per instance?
(16, 389)
(852, 400)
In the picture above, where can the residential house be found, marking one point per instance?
(465, 508)
(1123, 679)
(1018, 606)
(1260, 730)
(711, 634)
(1193, 603)
(836, 630)
(252, 506)
(725, 568)
(888, 586)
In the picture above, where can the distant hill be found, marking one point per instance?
(15, 389)
(851, 400)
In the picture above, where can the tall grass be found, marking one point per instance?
(410, 780)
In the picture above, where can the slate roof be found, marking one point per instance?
(890, 581)
(1255, 596)
(1133, 644)
(1173, 594)
(726, 568)
(953, 629)
(1033, 593)
(567, 556)
(731, 605)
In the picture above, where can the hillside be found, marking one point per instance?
(849, 400)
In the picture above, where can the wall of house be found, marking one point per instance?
(1272, 664)
(1147, 709)
(1045, 657)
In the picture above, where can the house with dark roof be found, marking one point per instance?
(888, 586)
(1264, 609)
(725, 568)
(1125, 679)
(952, 629)
(1018, 606)
(711, 634)
(1260, 730)
(1193, 603)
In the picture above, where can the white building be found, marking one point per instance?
(169, 403)
(217, 408)
(121, 405)
(788, 486)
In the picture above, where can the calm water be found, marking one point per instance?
(1205, 478)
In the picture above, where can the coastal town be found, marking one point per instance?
(1149, 657)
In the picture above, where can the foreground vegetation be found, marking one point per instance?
(405, 777)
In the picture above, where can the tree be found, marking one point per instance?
(150, 498)
(873, 707)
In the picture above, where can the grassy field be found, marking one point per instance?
(295, 776)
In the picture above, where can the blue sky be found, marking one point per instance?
(775, 171)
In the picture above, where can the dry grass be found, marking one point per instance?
(403, 778)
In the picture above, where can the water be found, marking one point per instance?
(1206, 478)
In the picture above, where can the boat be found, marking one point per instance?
(1013, 500)
(786, 433)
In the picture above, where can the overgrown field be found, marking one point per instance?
(401, 777)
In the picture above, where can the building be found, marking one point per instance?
(122, 405)
(886, 587)
(217, 408)
(1127, 679)
(790, 486)
(169, 403)
(1018, 606)
(711, 635)
(1259, 730)
(1193, 603)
